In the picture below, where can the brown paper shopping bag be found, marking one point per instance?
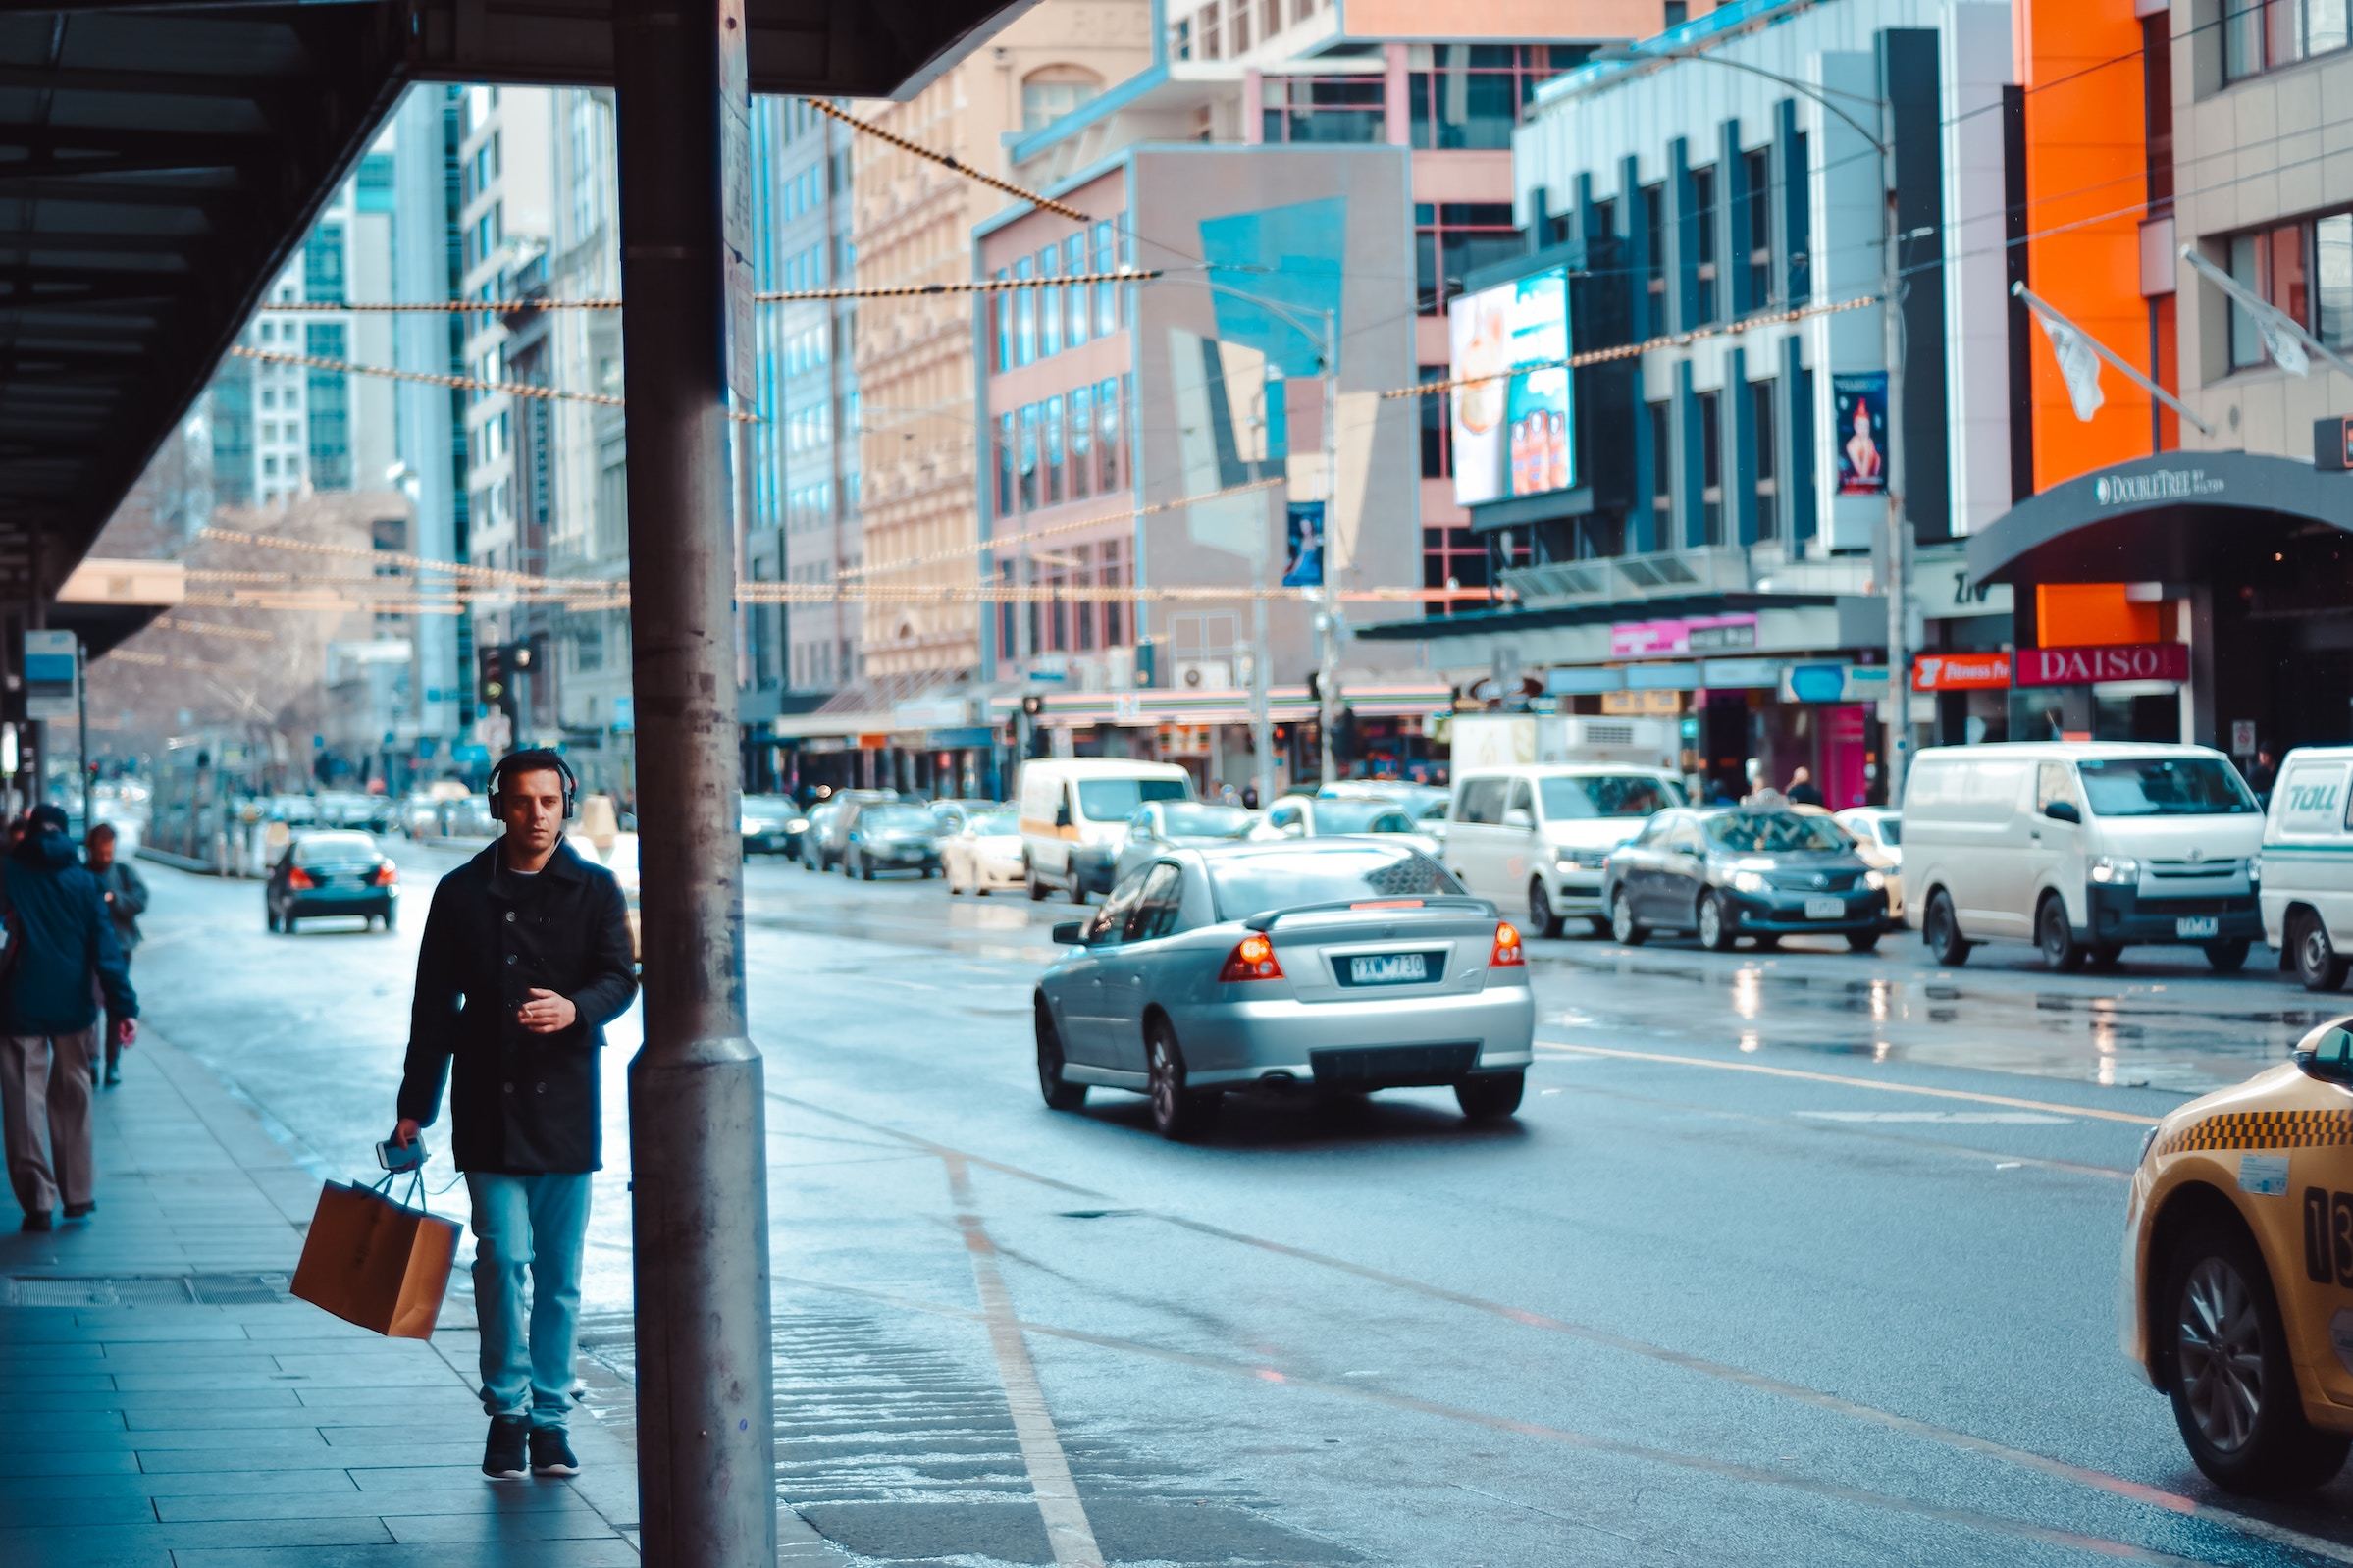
(375, 1261)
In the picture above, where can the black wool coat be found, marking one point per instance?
(520, 1103)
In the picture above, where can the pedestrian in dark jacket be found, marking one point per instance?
(525, 959)
(49, 1019)
(125, 894)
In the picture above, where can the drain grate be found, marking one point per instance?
(143, 1291)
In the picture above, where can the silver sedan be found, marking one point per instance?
(1343, 966)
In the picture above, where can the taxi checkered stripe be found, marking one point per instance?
(2263, 1129)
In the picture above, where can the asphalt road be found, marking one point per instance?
(1805, 1257)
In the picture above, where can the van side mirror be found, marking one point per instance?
(1070, 933)
(1515, 817)
(2062, 811)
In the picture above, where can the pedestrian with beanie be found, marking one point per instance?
(62, 959)
(525, 959)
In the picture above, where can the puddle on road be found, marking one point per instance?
(2184, 1033)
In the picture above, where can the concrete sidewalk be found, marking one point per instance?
(165, 1404)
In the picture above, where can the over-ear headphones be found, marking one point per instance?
(532, 761)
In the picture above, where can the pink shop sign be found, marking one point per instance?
(1697, 633)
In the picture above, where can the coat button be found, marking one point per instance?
(510, 916)
(510, 1088)
(542, 1089)
(510, 958)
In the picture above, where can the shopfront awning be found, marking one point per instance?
(2167, 518)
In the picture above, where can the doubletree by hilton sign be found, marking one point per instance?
(2091, 666)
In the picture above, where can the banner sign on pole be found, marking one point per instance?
(1860, 428)
(1303, 551)
(52, 665)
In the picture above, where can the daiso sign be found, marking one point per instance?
(2092, 666)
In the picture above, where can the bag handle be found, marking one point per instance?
(416, 1187)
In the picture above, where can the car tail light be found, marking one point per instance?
(300, 878)
(1508, 953)
(1252, 958)
(385, 874)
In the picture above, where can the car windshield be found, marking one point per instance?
(1200, 820)
(896, 819)
(321, 847)
(996, 824)
(769, 806)
(1361, 817)
(2164, 786)
(1890, 829)
(1295, 876)
(1587, 797)
(1106, 800)
(1774, 833)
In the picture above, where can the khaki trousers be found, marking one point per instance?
(46, 1114)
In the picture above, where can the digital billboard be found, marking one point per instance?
(1514, 414)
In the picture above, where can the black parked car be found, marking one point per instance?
(1764, 873)
(326, 872)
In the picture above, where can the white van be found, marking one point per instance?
(2308, 865)
(2084, 849)
(1536, 835)
(1074, 812)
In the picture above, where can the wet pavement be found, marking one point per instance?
(1802, 1256)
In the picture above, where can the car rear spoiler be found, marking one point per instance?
(1265, 919)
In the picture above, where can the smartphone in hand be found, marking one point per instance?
(399, 1157)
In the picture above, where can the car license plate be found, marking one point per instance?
(1825, 909)
(2198, 925)
(1389, 969)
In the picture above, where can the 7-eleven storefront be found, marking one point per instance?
(1208, 732)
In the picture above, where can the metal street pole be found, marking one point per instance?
(81, 728)
(1328, 621)
(1898, 532)
(1262, 724)
(698, 1135)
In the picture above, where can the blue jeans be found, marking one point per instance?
(536, 1224)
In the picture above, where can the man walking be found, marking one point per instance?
(49, 1018)
(125, 894)
(525, 959)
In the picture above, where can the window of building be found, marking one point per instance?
(1052, 91)
(1654, 238)
(1115, 609)
(1471, 94)
(1053, 418)
(1238, 29)
(1107, 299)
(1437, 426)
(1768, 475)
(1111, 447)
(1181, 38)
(1756, 176)
(328, 407)
(1704, 241)
(1049, 304)
(1028, 485)
(1324, 109)
(2260, 35)
(1024, 344)
(2304, 269)
(1077, 306)
(1454, 240)
(1712, 469)
(1662, 465)
(1006, 464)
(1082, 443)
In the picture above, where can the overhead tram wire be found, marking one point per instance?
(784, 296)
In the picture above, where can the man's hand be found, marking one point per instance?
(546, 1013)
(127, 1031)
(404, 1131)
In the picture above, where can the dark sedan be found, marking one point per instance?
(328, 873)
(1761, 872)
(891, 836)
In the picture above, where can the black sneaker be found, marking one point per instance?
(113, 1077)
(503, 1455)
(43, 1220)
(82, 1211)
(551, 1453)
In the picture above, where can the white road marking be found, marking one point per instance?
(2016, 1119)
(1058, 1504)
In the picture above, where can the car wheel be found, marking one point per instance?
(1490, 1096)
(269, 915)
(2062, 953)
(1716, 931)
(2317, 963)
(1037, 889)
(2234, 1386)
(1179, 1114)
(865, 869)
(1622, 923)
(2227, 957)
(1541, 918)
(1059, 1095)
(285, 922)
(1862, 941)
(1077, 888)
(1941, 928)
(387, 919)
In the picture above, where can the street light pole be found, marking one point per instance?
(1328, 619)
(699, 1189)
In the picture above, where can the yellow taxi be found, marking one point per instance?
(2237, 1290)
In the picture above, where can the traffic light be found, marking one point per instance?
(489, 686)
